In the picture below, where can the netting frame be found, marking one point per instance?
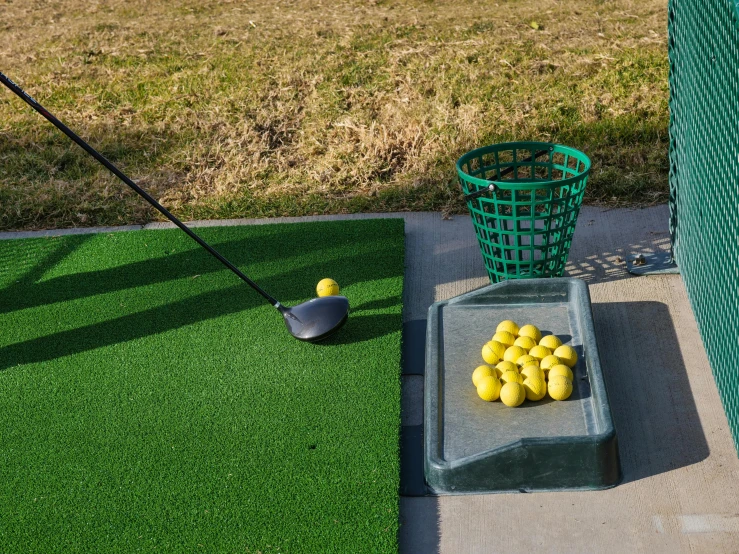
(703, 52)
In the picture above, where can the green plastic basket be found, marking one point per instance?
(524, 198)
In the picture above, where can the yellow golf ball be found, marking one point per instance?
(504, 337)
(549, 362)
(512, 394)
(561, 369)
(523, 361)
(540, 352)
(507, 326)
(532, 371)
(527, 343)
(327, 287)
(492, 352)
(567, 354)
(502, 367)
(530, 331)
(489, 388)
(511, 377)
(535, 388)
(482, 371)
(513, 353)
(550, 341)
(560, 388)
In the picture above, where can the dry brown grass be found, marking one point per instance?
(226, 109)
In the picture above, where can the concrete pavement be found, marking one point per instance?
(680, 486)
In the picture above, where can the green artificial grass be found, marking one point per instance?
(150, 401)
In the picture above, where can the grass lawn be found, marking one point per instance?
(151, 401)
(268, 108)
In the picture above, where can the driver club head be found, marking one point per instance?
(316, 319)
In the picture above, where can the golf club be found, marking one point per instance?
(310, 321)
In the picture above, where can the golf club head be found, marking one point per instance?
(316, 319)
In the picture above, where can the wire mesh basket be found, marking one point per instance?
(524, 198)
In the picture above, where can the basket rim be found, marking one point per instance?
(529, 145)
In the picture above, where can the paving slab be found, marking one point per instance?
(681, 471)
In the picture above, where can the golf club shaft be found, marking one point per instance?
(118, 173)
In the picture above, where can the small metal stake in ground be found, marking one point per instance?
(661, 263)
(524, 198)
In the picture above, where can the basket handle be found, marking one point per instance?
(492, 187)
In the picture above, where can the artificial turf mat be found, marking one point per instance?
(149, 400)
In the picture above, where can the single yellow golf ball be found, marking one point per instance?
(511, 377)
(561, 369)
(327, 287)
(508, 326)
(513, 353)
(549, 362)
(527, 343)
(540, 352)
(489, 388)
(567, 354)
(512, 394)
(502, 367)
(523, 361)
(560, 388)
(535, 388)
(530, 331)
(504, 337)
(532, 371)
(492, 352)
(482, 371)
(550, 341)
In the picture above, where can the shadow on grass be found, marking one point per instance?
(137, 325)
(135, 150)
(380, 304)
(168, 267)
(16, 253)
(287, 283)
(360, 328)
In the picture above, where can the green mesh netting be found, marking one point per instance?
(525, 222)
(704, 178)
